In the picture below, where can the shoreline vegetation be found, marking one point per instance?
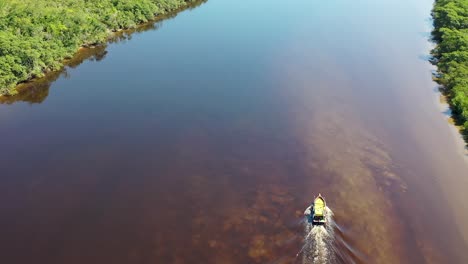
(451, 56)
(39, 36)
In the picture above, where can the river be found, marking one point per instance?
(203, 137)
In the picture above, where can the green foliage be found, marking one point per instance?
(36, 35)
(451, 54)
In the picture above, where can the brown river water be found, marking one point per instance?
(203, 137)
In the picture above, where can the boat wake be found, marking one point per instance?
(318, 241)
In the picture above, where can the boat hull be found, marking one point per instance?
(316, 212)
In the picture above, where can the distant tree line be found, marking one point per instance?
(37, 35)
(451, 55)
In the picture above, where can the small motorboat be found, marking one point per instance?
(315, 213)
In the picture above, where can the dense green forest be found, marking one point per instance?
(451, 55)
(37, 35)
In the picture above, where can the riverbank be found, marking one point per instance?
(451, 56)
(37, 37)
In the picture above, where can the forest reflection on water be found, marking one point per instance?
(36, 90)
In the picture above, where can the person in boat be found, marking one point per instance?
(316, 211)
(309, 213)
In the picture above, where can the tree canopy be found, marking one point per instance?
(37, 35)
(451, 54)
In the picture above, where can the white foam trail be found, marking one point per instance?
(318, 241)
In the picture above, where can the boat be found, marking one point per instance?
(316, 212)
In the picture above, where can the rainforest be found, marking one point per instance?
(451, 55)
(37, 35)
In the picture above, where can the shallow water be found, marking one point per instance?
(203, 139)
